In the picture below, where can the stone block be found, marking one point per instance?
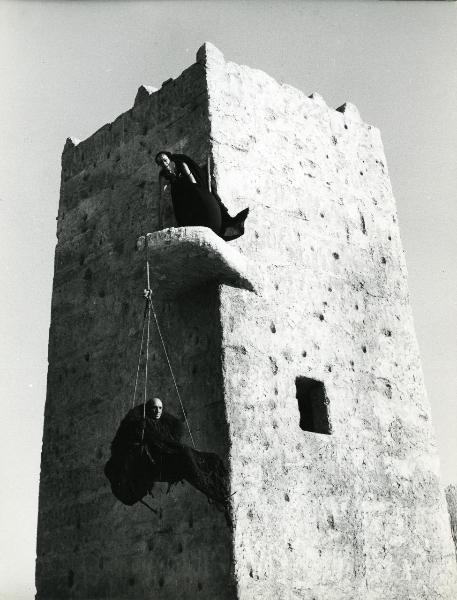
(350, 111)
(209, 54)
(355, 512)
(143, 93)
(181, 258)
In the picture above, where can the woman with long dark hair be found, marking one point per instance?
(193, 202)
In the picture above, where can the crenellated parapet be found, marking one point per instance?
(293, 348)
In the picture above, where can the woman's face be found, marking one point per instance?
(163, 161)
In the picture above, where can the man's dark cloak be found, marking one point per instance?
(145, 450)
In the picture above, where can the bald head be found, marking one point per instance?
(157, 408)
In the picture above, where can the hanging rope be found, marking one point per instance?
(147, 295)
(148, 302)
(172, 374)
(139, 357)
(146, 313)
(148, 308)
(145, 398)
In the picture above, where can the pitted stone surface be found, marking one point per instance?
(359, 513)
(451, 498)
(182, 258)
(355, 515)
(89, 545)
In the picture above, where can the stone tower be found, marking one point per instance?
(293, 348)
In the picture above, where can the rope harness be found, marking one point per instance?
(148, 308)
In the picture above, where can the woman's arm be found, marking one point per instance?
(188, 173)
(163, 182)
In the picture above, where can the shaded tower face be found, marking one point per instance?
(310, 387)
(89, 544)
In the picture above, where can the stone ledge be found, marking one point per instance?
(184, 257)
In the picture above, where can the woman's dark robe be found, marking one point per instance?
(194, 204)
(146, 450)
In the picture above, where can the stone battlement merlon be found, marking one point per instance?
(77, 156)
(211, 56)
(208, 56)
(86, 164)
(310, 388)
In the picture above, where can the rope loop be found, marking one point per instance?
(148, 308)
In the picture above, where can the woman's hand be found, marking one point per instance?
(189, 175)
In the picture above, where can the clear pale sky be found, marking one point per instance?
(66, 68)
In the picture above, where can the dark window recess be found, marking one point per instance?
(313, 405)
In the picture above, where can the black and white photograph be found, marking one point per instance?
(228, 316)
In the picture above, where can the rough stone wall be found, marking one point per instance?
(354, 514)
(90, 545)
(358, 513)
(451, 498)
